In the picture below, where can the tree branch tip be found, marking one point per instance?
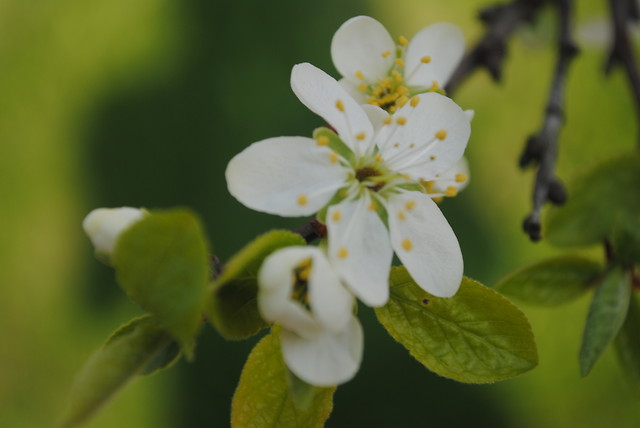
(557, 192)
(532, 227)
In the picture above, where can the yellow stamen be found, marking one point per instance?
(407, 177)
(396, 145)
(302, 200)
(304, 273)
(432, 157)
(410, 205)
(397, 76)
(359, 75)
(387, 120)
(402, 101)
(378, 158)
(343, 253)
(322, 141)
(428, 186)
(336, 216)
(363, 87)
(333, 157)
(403, 40)
(415, 101)
(372, 206)
(435, 86)
(451, 191)
(340, 105)
(461, 178)
(361, 136)
(399, 62)
(401, 215)
(437, 199)
(411, 146)
(407, 244)
(425, 59)
(386, 54)
(441, 134)
(401, 121)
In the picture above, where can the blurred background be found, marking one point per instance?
(113, 102)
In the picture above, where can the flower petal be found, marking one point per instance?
(358, 46)
(352, 90)
(359, 249)
(425, 243)
(425, 139)
(456, 178)
(328, 359)
(444, 44)
(323, 95)
(105, 225)
(275, 286)
(287, 176)
(376, 115)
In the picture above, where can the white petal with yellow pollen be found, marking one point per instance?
(443, 45)
(425, 243)
(328, 359)
(288, 176)
(323, 95)
(357, 47)
(376, 115)
(457, 176)
(359, 249)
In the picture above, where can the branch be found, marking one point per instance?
(621, 52)
(501, 21)
(542, 147)
(311, 230)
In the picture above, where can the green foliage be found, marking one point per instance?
(476, 336)
(233, 308)
(161, 262)
(627, 344)
(551, 282)
(606, 315)
(597, 201)
(264, 399)
(139, 347)
(625, 239)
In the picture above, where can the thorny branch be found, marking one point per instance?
(541, 148)
(621, 52)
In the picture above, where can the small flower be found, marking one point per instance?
(378, 71)
(368, 182)
(321, 339)
(105, 225)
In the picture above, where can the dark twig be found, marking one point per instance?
(542, 148)
(621, 53)
(501, 20)
(311, 230)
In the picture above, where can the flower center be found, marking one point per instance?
(365, 174)
(388, 93)
(300, 290)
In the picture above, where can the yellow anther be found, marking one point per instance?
(401, 215)
(336, 216)
(403, 40)
(401, 120)
(402, 90)
(302, 200)
(340, 105)
(361, 136)
(461, 178)
(407, 244)
(387, 120)
(363, 87)
(359, 75)
(396, 145)
(428, 186)
(343, 253)
(441, 134)
(415, 101)
(378, 158)
(451, 191)
(410, 205)
(402, 100)
(437, 199)
(304, 274)
(399, 62)
(333, 157)
(397, 76)
(432, 157)
(322, 141)
(435, 86)
(425, 59)
(407, 177)
(411, 146)
(372, 206)
(386, 54)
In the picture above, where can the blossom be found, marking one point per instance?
(369, 182)
(378, 71)
(321, 339)
(105, 225)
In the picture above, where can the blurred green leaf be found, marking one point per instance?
(625, 239)
(300, 392)
(627, 344)
(606, 315)
(135, 348)
(263, 397)
(551, 282)
(595, 201)
(233, 308)
(161, 262)
(476, 336)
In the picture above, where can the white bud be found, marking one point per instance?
(104, 226)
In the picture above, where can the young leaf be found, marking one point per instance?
(476, 336)
(263, 398)
(627, 344)
(625, 239)
(606, 315)
(133, 349)
(551, 282)
(595, 201)
(161, 262)
(233, 308)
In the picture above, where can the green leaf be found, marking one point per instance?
(162, 263)
(606, 315)
(551, 282)
(263, 398)
(133, 349)
(627, 344)
(335, 143)
(595, 201)
(476, 336)
(233, 308)
(625, 239)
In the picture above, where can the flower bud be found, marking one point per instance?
(105, 225)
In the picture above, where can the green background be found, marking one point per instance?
(112, 103)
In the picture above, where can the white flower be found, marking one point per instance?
(372, 177)
(321, 339)
(105, 225)
(378, 71)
